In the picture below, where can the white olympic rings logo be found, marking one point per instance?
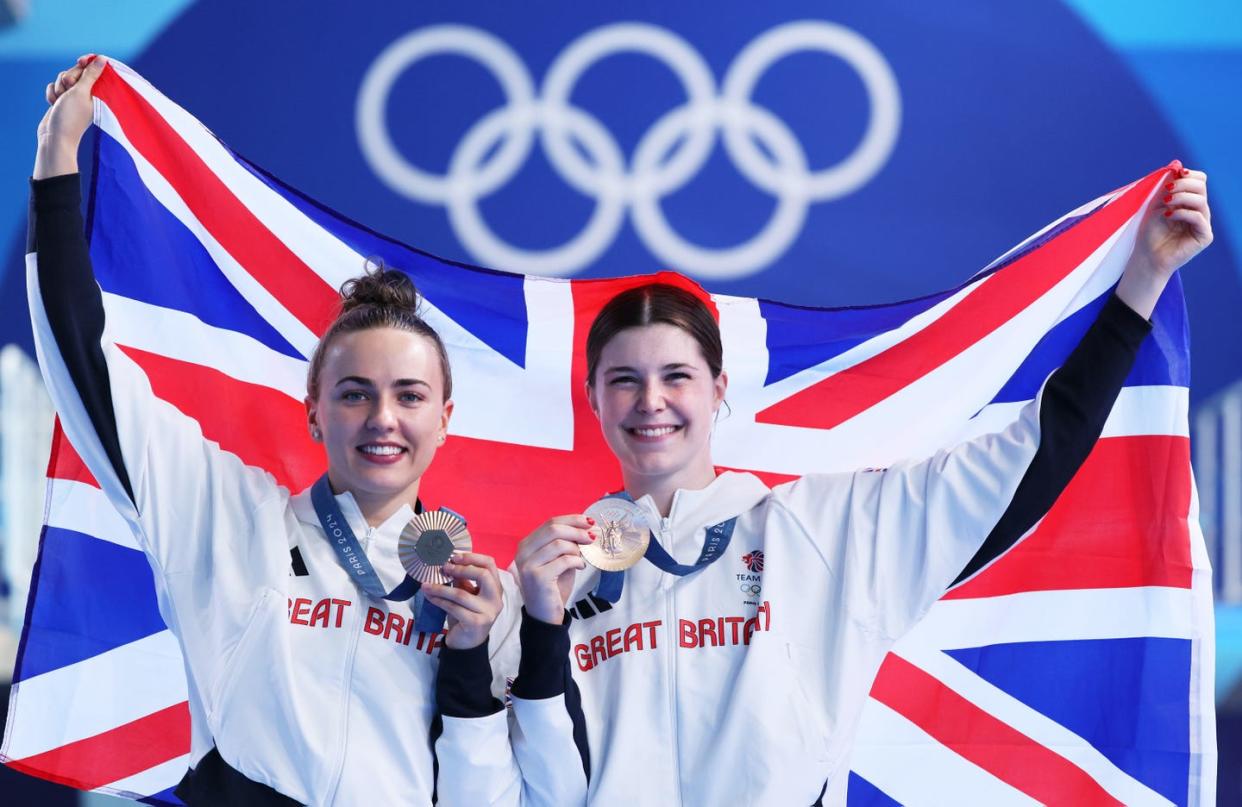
(668, 155)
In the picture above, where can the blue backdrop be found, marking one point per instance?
(876, 153)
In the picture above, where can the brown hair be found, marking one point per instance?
(648, 305)
(379, 298)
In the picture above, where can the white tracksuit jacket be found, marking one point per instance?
(743, 683)
(302, 682)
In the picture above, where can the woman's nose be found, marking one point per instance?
(651, 399)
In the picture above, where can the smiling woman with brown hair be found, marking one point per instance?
(311, 655)
(691, 688)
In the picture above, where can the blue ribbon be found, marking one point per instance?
(430, 618)
(716, 542)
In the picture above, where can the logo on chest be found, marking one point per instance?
(750, 581)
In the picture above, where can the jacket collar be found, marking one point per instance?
(379, 543)
(730, 494)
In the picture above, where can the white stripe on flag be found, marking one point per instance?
(268, 306)
(324, 253)
(1051, 616)
(1040, 728)
(1154, 410)
(80, 700)
(151, 781)
(896, 427)
(84, 508)
(915, 769)
(1203, 762)
(184, 337)
(536, 408)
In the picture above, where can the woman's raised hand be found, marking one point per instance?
(473, 603)
(68, 117)
(1176, 227)
(547, 561)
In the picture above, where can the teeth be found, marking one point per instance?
(658, 431)
(382, 451)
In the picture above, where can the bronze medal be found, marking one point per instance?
(427, 543)
(621, 535)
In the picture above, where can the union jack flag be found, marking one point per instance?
(1075, 669)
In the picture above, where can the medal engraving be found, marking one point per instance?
(621, 535)
(427, 543)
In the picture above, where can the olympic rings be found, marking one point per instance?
(752, 589)
(672, 151)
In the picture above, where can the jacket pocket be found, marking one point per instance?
(238, 660)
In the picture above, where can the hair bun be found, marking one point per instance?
(380, 287)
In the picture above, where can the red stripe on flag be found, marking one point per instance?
(263, 427)
(116, 753)
(1121, 522)
(64, 461)
(990, 305)
(998, 748)
(230, 222)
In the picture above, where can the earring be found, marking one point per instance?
(316, 435)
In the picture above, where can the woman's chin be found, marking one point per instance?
(382, 482)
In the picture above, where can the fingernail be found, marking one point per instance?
(1185, 171)
(1168, 213)
(1169, 187)
(591, 521)
(1168, 198)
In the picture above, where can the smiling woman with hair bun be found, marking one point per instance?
(318, 669)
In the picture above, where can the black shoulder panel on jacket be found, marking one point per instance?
(73, 303)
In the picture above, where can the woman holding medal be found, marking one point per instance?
(311, 654)
(675, 685)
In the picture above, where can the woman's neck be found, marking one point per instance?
(376, 508)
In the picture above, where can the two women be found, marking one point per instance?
(710, 696)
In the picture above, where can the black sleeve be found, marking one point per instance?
(73, 302)
(544, 672)
(464, 683)
(1076, 402)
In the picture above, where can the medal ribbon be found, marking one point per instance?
(430, 618)
(716, 542)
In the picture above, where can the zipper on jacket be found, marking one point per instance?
(670, 615)
(347, 688)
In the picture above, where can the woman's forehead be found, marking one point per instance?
(656, 344)
(382, 351)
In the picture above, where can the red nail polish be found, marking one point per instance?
(1185, 171)
(1169, 187)
(1168, 213)
(1168, 198)
(591, 521)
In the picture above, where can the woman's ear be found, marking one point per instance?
(312, 419)
(592, 399)
(721, 383)
(444, 422)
